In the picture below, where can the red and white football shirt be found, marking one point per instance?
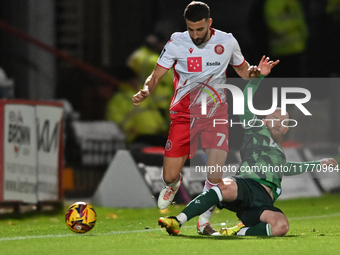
(197, 67)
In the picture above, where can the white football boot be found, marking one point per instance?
(207, 230)
(167, 195)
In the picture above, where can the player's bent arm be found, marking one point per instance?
(242, 70)
(150, 85)
(247, 72)
(155, 77)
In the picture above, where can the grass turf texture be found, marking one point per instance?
(314, 229)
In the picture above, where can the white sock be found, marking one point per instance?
(242, 231)
(208, 185)
(173, 185)
(182, 218)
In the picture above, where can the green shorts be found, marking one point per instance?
(252, 199)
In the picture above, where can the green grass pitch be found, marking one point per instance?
(314, 229)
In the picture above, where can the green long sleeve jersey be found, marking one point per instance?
(264, 160)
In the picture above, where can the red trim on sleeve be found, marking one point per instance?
(163, 67)
(176, 77)
(244, 60)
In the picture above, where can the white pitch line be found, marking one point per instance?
(315, 217)
(140, 231)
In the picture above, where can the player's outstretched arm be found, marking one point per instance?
(263, 69)
(149, 85)
(295, 168)
(249, 72)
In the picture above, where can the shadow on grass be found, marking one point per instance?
(233, 237)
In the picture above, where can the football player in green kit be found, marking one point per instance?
(253, 191)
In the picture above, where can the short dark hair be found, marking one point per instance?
(196, 11)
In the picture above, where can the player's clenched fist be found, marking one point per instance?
(141, 95)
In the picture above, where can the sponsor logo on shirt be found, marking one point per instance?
(216, 63)
(194, 64)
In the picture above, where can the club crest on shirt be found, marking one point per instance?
(168, 145)
(219, 49)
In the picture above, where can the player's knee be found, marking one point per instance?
(280, 228)
(229, 189)
(222, 187)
